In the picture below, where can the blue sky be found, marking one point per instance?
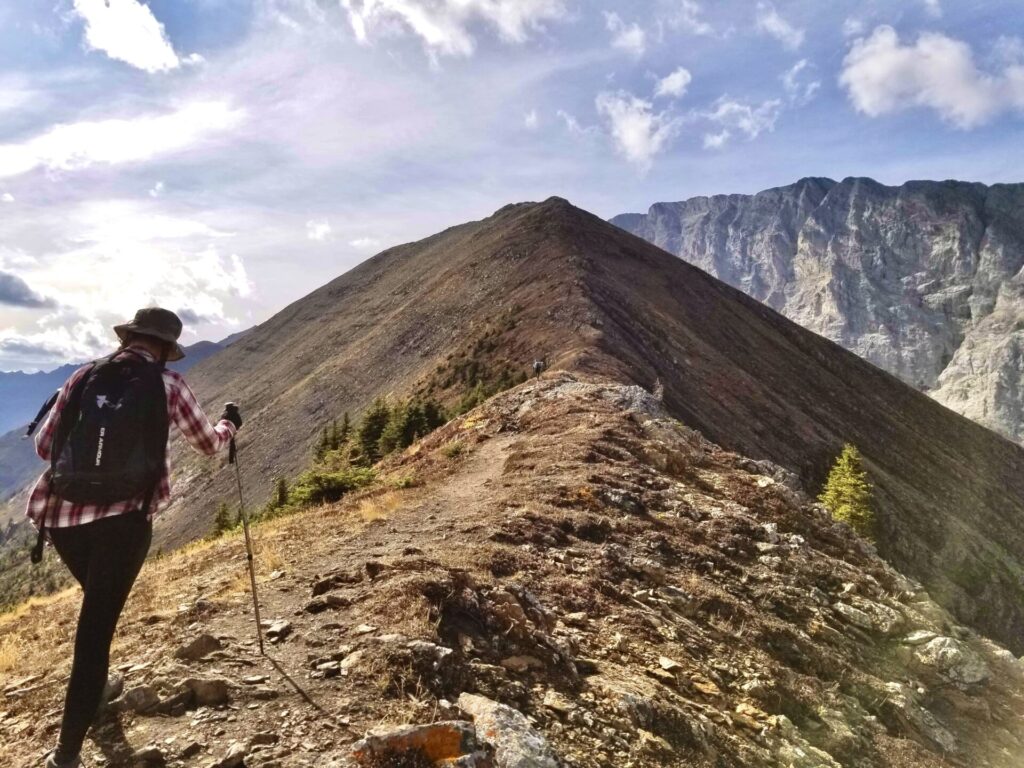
(225, 157)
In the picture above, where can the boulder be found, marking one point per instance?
(140, 699)
(954, 660)
(516, 743)
(198, 648)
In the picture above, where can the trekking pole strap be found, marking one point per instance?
(47, 407)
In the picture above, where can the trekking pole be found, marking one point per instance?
(233, 459)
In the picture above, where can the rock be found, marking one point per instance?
(444, 741)
(278, 630)
(516, 743)
(901, 706)
(919, 637)
(954, 660)
(352, 659)
(556, 702)
(151, 754)
(190, 750)
(871, 616)
(200, 646)
(522, 663)
(327, 602)
(651, 747)
(255, 679)
(211, 692)
(234, 758)
(140, 699)
(263, 739)
(364, 629)
(669, 665)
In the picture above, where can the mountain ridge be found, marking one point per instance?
(547, 279)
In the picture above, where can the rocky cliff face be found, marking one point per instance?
(925, 280)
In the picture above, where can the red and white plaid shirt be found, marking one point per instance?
(183, 412)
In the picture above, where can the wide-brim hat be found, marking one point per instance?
(156, 322)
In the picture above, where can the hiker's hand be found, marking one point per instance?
(232, 414)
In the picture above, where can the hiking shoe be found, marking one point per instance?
(51, 761)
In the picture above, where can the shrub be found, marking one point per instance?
(847, 494)
(454, 449)
(316, 486)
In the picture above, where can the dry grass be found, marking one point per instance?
(20, 611)
(379, 507)
(10, 653)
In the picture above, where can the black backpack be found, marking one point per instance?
(110, 444)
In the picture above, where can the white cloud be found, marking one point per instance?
(853, 26)
(318, 230)
(444, 25)
(800, 90)
(1008, 51)
(771, 23)
(574, 127)
(136, 255)
(531, 120)
(882, 75)
(687, 18)
(128, 31)
(639, 132)
(751, 120)
(365, 243)
(933, 8)
(157, 189)
(7, 197)
(627, 37)
(73, 146)
(717, 140)
(674, 84)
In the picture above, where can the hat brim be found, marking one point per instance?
(177, 353)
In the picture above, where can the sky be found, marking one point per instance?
(223, 158)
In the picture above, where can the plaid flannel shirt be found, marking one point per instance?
(183, 412)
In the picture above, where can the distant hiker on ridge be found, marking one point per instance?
(106, 441)
(538, 367)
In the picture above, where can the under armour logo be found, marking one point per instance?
(102, 402)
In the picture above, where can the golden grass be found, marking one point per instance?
(10, 653)
(19, 611)
(379, 507)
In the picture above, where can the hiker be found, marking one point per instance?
(538, 368)
(106, 441)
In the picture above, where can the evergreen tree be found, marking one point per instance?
(370, 430)
(222, 520)
(324, 445)
(346, 429)
(335, 439)
(391, 436)
(281, 493)
(433, 415)
(848, 493)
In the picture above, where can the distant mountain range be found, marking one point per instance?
(926, 280)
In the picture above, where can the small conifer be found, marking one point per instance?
(847, 494)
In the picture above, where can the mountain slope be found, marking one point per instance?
(549, 279)
(645, 597)
(925, 280)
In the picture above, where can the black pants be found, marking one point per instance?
(105, 556)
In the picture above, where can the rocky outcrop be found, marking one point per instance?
(925, 280)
